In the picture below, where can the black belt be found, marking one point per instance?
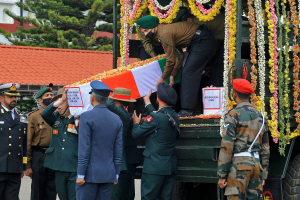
(39, 149)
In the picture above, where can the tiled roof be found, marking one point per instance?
(41, 66)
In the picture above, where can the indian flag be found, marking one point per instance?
(139, 80)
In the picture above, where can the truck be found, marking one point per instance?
(199, 143)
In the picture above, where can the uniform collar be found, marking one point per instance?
(6, 109)
(243, 104)
(100, 106)
(164, 108)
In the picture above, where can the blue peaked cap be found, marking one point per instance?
(100, 88)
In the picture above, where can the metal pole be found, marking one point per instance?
(21, 15)
(115, 36)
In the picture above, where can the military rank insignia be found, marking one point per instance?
(2, 110)
(148, 119)
(55, 132)
(72, 129)
(23, 119)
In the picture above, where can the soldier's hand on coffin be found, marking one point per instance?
(147, 98)
(23, 173)
(136, 119)
(171, 81)
(160, 81)
(222, 183)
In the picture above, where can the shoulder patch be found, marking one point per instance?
(148, 119)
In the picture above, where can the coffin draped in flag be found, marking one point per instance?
(139, 77)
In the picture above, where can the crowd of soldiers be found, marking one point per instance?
(95, 155)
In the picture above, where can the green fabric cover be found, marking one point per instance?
(42, 91)
(148, 22)
(162, 63)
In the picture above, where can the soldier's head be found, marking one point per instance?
(166, 95)
(9, 94)
(99, 93)
(242, 89)
(148, 25)
(122, 97)
(45, 95)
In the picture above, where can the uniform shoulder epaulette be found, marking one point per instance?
(32, 111)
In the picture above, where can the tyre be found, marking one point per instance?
(291, 182)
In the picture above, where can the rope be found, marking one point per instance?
(177, 51)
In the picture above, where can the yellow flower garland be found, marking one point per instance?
(203, 17)
(172, 15)
(138, 13)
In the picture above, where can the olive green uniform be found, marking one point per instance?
(62, 155)
(38, 139)
(160, 162)
(130, 159)
(244, 174)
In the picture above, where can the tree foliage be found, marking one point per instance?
(67, 24)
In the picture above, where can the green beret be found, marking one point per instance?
(43, 91)
(181, 13)
(148, 22)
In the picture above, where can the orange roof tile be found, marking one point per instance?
(41, 66)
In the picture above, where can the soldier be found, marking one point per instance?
(13, 143)
(38, 140)
(161, 129)
(117, 104)
(244, 155)
(62, 154)
(100, 147)
(201, 44)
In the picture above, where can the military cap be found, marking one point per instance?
(122, 94)
(181, 15)
(242, 86)
(44, 90)
(147, 22)
(58, 95)
(10, 89)
(100, 88)
(166, 94)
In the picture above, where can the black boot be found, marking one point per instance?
(185, 113)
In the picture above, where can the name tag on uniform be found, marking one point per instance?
(1, 122)
(72, 129)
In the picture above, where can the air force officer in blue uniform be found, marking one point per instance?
(100, 148)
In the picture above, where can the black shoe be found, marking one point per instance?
(185, 113)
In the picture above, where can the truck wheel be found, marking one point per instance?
(291, 182)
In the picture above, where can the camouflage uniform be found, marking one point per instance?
(244, 174)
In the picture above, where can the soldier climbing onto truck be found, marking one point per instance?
(244, 156)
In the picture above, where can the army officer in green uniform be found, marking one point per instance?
(62, 154)
(125, 190)
(160, 128)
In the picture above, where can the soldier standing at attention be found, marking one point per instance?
(200, 45)
(161, 129)
(100, 147)
(62, 154)
(13, 143)
(117, 103)
(245, 151)
(38, 140)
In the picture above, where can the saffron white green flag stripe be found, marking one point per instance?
(139, 80)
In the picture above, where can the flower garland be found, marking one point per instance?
(203, 1)
(203, 14)
(261, 54)
(124, 36)
(272, 23)
(296, 68)
(171, 13)
(281, 118)
(230, 30)
(167, 7)
(253, 60)
(136, 10)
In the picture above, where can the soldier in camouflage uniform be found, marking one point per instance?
(244, 158)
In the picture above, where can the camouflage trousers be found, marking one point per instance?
(244, 180)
